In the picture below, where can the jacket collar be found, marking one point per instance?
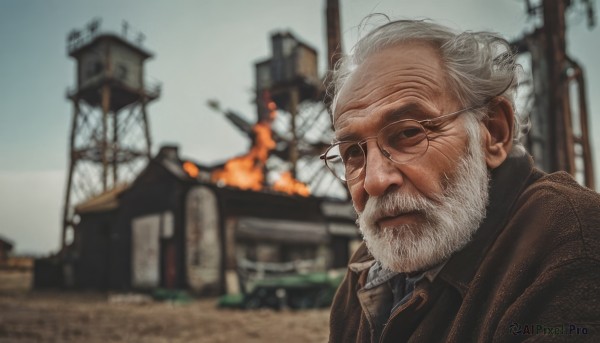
(507, 183)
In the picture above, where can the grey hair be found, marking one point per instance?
(479, 65)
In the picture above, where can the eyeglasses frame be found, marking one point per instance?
(383, 151)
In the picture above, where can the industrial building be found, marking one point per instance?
(173, 228)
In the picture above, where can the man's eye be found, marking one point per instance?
(352, 152)
(405, 137)
(408, 133)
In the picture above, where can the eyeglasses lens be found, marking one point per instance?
(401, 142)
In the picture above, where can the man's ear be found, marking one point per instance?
(498, 132)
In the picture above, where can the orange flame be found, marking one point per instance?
(191, 169)
(287, 184)
(246, 172)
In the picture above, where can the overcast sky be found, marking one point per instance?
(204, 50)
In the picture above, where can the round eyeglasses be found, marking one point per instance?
(401, 142)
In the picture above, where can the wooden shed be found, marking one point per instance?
(169, 229)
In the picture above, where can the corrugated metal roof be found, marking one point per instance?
(282, 230)
(106, 201)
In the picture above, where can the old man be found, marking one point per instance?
(464, 239)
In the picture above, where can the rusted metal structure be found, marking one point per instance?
(290, 77)
(559, 135)
(334, 45)
(110, 137)
(334, 33)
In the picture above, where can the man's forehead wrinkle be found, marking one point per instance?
(426, 73)
(419, 85)
(346, 134)
(372, 87)
(412, 99)
(343, 127)
(427, 77)
(412, 109)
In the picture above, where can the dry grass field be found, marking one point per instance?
(29, 316)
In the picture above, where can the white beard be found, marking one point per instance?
(449, 223)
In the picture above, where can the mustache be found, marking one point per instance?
(393, 204)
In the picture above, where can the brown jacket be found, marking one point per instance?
(532, 271)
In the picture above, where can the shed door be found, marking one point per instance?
(203, 246)
(146, 251)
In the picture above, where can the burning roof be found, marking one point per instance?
(248, 171)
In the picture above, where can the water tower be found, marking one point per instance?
(290, 76)
(109, 138)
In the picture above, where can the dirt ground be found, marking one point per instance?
(28, 316)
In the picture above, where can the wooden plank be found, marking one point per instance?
(145, 252)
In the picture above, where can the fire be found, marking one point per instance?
(287, 184)
(191, 169)
(247, 171)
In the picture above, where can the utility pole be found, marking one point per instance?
(559, 136)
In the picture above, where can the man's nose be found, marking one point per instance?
(381, 173)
